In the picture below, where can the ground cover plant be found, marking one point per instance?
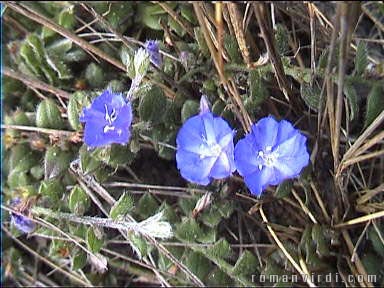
(192, 144)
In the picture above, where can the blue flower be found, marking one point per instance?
(205, 147)
(271, 153)
(21, 222)
(107, 120)
(152, 47)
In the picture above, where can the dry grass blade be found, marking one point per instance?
(236, 22)
(185, 25)
(239, 108)
(260, 11)
(355, 148)
(359, 266)
(361, 219)
(348, 19)
(282, 248)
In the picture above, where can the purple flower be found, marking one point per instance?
(21, 222)
(152, 47)
(107, 120)
(205, 147)
(271, 153)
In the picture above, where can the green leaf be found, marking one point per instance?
(120, 155)
(48, 115)
(60, 47)
(94, 239)
(226, 208)
(188, 230)
(211, 217)
(37, 46)
(153, 105)
(78, 201)
(95, 75)
(77, 102)
(372, 263)
(219, 278)
(258, 91)
(187, 204)
(18, 179)
(141, 62)
(198, 264)
(361, 58)
(284, 189)
(52, 189)
(30, 59)
(57, 64)
(175, 26)
(56, 162)
(66, 18)
(246, 265)
(140, 245)
(187, 12)
(147, 205)
(22, 158)
(165, 152)
(376, 240)
(189, 109)
(375, 103)
(208, 235)
(79, 260)
(310, 95)
(122, 207)
(230, 44)
(127, 55)
(150, 15)
(220, 249)
(281, 38)
(323, 59)
(201, 41)
(350, 93)
(218, 107)
(318, 237)
(87, 161)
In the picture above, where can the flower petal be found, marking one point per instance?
(293, 156)
(223, 167)
(190, 135)
(265, 132)
(22, 223)
(193, 168)
(246, 158)
(258, 180)
(210, 133)
(285, 131)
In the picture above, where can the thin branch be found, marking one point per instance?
(36, 83)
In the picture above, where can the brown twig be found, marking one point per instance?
(259, 9)
(185, 25)
(238, 30)
(31, 14)
(36, 83)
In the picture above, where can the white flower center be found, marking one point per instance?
(110, 118)
(209, 149)
(269, 158)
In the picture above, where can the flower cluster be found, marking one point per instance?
(271, 153)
